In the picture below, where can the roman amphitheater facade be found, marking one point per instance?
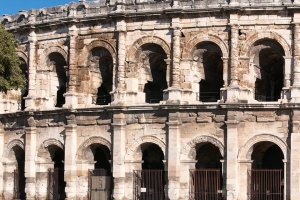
(185, 87)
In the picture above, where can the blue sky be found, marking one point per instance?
(13, 6)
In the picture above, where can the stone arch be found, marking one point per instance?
(190, 148)
(9, 146)
(54, 49)
(246, 150)
(83, 58)
(44, 153)
(146, 40)
(133, 147)
(246, 47)
(205, 38)
(23, 55)
(83, 152)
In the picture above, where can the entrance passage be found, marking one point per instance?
(205, 184)
(100, 178)
(266, 179)
(19, 175)
(206, 179)
(149, 182)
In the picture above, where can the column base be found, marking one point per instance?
(70, 190)
(119, 188)
(71, 100)
(30, 188)
(235, 94)
(174, 95)
(231, 195)
(293, 94)
(173, 189)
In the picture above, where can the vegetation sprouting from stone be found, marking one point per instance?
(11, 76)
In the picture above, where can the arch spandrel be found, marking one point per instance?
(11, 144)
(84, 153)
(133, 146)
(147, 40)
(83, 58)
(246, 150)
(269, 35)
(43, 152)
(186, 52)
(189, 150)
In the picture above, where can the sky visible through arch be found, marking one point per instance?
(12, 7)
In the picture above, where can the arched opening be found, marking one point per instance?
(207, 178)
(152, 156)
(269, 70)
(153, 71)
(150, 181)
(56, 175)
(24, 92)
(101, 69)
(19, 172)
(208, 56)
(100, 178)
(267, 173)
(57, 77)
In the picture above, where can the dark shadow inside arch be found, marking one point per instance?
(58, 64)
(20, 175)
(102, 157)
(267, 155)
(152, 156)
(269, 71)
(103, 63)
(212, 80)
(24, 92)
(208, 156)
(59, 184)
(156, 68)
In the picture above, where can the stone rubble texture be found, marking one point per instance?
(82, 46)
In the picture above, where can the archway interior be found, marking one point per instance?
(154, 69)
(24, 92)
(19, 157)
(101, 63)
(208, 156)
(267, 155)
(152, 156)
(57, 64)
(57, 155)
(269, 70)
(208, 55)
(102, 157)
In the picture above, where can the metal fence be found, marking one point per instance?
(265, 184)
(205, 184)
(148, 185)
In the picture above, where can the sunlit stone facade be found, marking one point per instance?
(172, 85)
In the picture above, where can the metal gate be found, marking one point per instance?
(54, 188)
(148, 184)
(100, 184)
(205, 184)
(16, 184)
(265, 184)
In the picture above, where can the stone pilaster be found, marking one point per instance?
(234, 50)
(233, 91)
(231, 171)
(173, 155)
(71, 96)
(30, 170)
(120, 93)
(29, 100)
(70, 160)
(119, 141)
(294, 159)
(1, 166)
